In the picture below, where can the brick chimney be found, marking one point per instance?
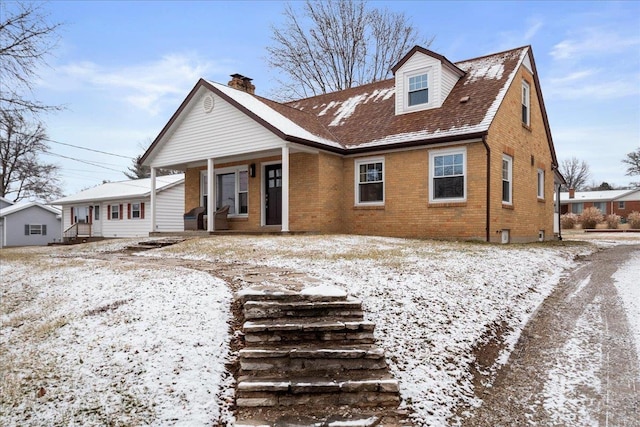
(572, 193)
(240, 82)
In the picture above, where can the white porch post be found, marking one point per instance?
(211, 192)
(153, 200)
(285, 189)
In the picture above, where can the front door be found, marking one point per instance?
(273, 194)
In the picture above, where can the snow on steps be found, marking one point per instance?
(312, 353)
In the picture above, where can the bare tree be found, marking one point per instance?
(22, 173)
(26, 38)
(139, 171)
(633, 160)
(334, 45)
(576, 173)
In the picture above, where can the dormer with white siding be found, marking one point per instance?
(423, 80)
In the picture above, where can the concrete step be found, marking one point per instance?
(287, 296)
(306, 360)
(275, 332)
(350, 308)
(317, 391)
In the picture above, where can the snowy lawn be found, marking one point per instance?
(126, 345)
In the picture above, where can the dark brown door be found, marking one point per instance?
(273, 194)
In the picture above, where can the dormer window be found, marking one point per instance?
(418, 90)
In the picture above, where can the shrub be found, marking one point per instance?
(590, 217)
(634, 219)
(612, 220)
(568, 220)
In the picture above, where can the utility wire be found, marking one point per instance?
(83, 161)
(88, 149)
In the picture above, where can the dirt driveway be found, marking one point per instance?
(575, 363)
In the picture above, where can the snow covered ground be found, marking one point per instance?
(91, 342)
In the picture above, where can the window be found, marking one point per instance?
(418, 90)
(601, 206)
(115, 211)
(135, 210)
(35, 229)
(232, 189)
(526, 100)
(447, 175)
(576, 208)
(507, 179)
(96, 212)
(370, 181)
(621, 205)
(540, 184)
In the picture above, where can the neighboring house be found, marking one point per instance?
(619, 202)
(120, 209)
(442, 150)
(29, 224)
(5, 203)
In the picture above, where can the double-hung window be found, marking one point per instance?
(447, 174)
(507, 179)
(115, 212)
(370, 181)
(135, 210)
(526, 104)
(418, 89)
(540, 183)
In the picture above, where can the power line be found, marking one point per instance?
(88, 149)
(83, 161)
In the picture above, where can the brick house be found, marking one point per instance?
(441, 150)
(619, 202)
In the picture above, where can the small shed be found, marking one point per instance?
(29, 224)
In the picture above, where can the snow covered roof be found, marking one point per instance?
(596, 196)
(363, 118)
(21, 206)
(123, 189)
(7, 201)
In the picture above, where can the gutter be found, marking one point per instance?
(488, 202)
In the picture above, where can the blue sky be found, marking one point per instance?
(122, 69)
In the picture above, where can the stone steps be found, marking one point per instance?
(311, 354)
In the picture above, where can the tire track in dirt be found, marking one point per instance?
(579, 342)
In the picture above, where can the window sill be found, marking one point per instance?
(541, 200)
(238, 218)
(368, 207)
(506, 206)
(447, 204)
(527, 127)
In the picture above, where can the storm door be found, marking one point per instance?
(273, 194)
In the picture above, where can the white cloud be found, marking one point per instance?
(593, 42)
(147, 86)
(535, 24)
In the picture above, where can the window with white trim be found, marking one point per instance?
(447, 175)
(507, 179)
(115, 212)
(369, 181)
(35, 229)
(540, 183)
(621, 205)
(418, 90)
(135, 210)
(232, 189)
(526, 103)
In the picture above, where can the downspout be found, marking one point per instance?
(559, 213)
(488, 223)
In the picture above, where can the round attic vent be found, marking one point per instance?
(207, 103)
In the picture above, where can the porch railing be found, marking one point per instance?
(77, 229)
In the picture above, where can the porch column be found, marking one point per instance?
(153, 200)
(211, 196)
(285, 189)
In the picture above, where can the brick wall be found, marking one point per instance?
(530, 151)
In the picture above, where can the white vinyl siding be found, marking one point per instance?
(225, 131)
(32, 226)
